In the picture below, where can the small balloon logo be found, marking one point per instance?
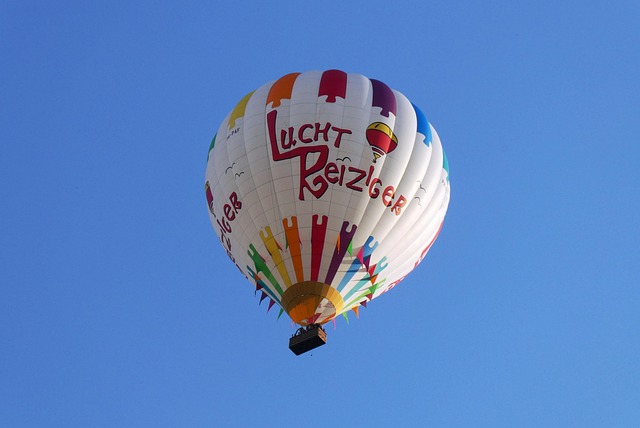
(381, 139)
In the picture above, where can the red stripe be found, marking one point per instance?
(318, 232)
(333, 84)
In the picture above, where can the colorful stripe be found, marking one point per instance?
(364, 255)
(368, 292)
(207, 191)
(238, 111)
(275, 252)
(318, 232)
(281, 89)
(445, 163)
(333, 84)
(362, 259)
(384, 98)
(261, 267)
(260, 285)
(213, 143)
(423, 125)
(342, 245)
(293, 242)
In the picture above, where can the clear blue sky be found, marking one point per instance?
(118, 307)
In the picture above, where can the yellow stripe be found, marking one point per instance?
(238, 110)
(274, 251)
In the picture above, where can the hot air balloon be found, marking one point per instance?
(325, 189)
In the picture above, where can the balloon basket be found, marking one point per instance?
(306, 339)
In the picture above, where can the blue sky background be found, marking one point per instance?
(118, 307)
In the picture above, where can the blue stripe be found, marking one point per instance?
(445, 163)
(423, 125)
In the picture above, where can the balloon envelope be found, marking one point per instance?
(326, 189)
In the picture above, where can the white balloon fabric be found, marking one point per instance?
(326, 189)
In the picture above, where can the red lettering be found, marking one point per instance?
(352, 184)
(397, 207)
(369, 176)
(324, 131)
(303, 153)
(316, 173)
(301, 136)
(342, 168)
(283, 135)
(228, 212)
(329, 170)
(321, 186)
(340, 131)
(387, 195)
(233, 198)
(319, 181)
(224, 223)
(224, 226)
(373, 190)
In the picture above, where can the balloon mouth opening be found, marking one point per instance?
(312, 302)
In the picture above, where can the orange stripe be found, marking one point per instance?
(281, 89)
(293, 240)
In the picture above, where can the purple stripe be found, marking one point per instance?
(340, 251)
(383, 97)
